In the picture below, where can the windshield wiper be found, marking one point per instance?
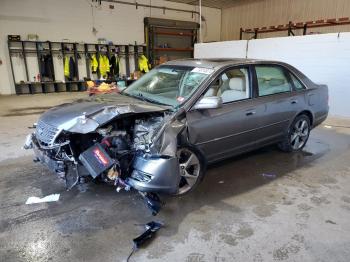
(147, 99)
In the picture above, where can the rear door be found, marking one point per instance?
(232, 128)
(274, 89)
(299, 94)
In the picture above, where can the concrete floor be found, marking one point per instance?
(298, 211)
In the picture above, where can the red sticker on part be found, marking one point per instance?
(100, 157)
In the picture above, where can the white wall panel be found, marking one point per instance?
(226, 49)
(323, 58)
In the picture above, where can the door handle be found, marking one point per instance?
(294, 102)
(250, 113)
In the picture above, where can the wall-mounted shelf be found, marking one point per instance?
(169, 49)
(295, 26)
(169, 39)
(23, 49)
(173, 33)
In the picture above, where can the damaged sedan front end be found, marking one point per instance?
(128, 140)
(115, 144)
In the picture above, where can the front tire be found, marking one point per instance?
(297, 136)
(192, 168)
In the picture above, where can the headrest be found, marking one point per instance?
(276, 82)
(237, 84)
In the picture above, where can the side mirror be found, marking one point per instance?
(209, 102)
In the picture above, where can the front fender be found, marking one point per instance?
(157, 174)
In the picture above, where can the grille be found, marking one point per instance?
(45, 133)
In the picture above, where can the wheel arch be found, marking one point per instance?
(308, 114)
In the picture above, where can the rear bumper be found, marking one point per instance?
(319, 120)
(157, 174)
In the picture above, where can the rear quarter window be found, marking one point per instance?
(297, 84)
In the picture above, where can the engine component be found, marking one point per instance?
(108, 131)
(96, 160)
(120, 183)
(144, 132)
(113, 173)
(119, 143)
(119, 149)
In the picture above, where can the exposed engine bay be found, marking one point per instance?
(128, 151)
(108, 153)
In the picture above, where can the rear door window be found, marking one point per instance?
(272, 80)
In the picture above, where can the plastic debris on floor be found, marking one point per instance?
(49, 198)
(270, 176)
(150, 230)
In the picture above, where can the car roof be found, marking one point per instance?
(216, 63)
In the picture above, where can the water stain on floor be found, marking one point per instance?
(319, 200)
(26, 111)
(285, 251)
(244, 231)
(264, 210)
(346, 199)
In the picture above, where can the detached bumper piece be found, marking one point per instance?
(153, 202)
(150, 230)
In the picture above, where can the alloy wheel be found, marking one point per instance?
(299, 134)
(189, 169)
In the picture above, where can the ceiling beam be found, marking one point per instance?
(212, 4)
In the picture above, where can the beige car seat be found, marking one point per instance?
(236, 91)
(212, 91)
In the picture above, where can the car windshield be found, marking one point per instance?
(168, 85)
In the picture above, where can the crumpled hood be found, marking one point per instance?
(85, 115)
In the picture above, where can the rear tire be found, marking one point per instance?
(192, 168)
(297, 135)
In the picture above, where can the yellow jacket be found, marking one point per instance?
(94, 64)
(66, 66)
(143, 64)
(104, 65)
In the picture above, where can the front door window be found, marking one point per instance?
(231, 86)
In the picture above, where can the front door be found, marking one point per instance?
(232, 128)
